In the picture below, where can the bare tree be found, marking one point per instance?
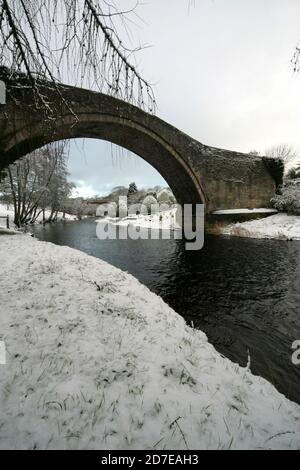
(36, 182)
(58, 187)
(284, 152)
(254, 152)
(296, 59)
(76, 206)
(77, 41)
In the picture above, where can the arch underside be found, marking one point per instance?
(129, 135)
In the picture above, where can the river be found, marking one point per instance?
(243, 293)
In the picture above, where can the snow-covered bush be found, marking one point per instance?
(165, 195)
(151, 203)
(289, 199)
(294, 173)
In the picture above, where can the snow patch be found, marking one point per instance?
(97, 361)
(280, 226)
(246, 211)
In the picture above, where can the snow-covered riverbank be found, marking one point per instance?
(279, 226)
(6, 209)
(95, 360)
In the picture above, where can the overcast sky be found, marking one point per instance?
(222, 74)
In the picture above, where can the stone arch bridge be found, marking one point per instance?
(221, 179)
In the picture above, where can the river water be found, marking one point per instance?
(243, 293)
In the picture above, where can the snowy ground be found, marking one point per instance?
(9, 210)
(280, 226)
(9, 231)
(95, 360)
(160, 220)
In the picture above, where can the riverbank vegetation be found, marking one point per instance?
(288, 197)
(37, 185)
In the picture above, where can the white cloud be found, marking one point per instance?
(83, 190)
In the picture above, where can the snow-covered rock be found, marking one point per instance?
(97, 361)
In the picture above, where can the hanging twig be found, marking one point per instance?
(74, 41)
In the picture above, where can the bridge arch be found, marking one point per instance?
(195, 172)
(120, 123)
(123, 132)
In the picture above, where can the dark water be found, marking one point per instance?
(244, 293)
